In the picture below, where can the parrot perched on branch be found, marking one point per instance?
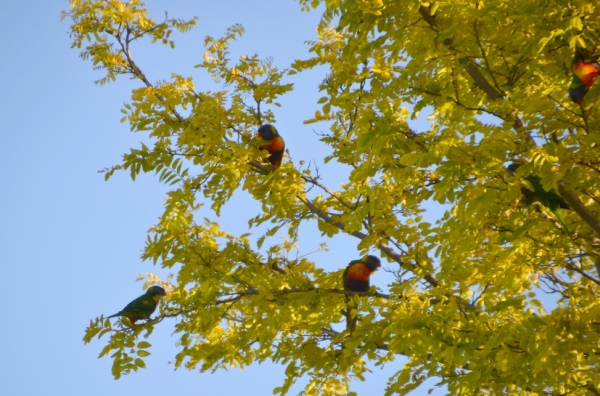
(143, 306)
(584, 75)
(276, 144)
(356, 278)
(357, 273)
(549, 199)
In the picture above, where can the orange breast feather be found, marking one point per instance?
(276, 144)
(359, 272)
(586, 72)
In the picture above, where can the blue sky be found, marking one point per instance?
(71, 242)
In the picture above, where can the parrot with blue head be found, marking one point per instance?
(276, 145)
(356, 278)
(358, 272)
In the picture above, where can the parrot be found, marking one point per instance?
(356, 278)
(549, 199)
(357, 273)
(143, 306)
(276, 144)
(584, 75)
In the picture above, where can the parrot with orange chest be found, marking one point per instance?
(358, 272)
(585, 74)
(276, 145)
(356, 278)
(143, 306)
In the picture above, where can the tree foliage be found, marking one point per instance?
(463, 308)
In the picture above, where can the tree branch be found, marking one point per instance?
(473, 71)
(135, 70)
(391, 253)
(280, 292)
(261, 168)
(579, 207)
(314, 181)
(583, 273)
(382, 246)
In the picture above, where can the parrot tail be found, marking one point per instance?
(350, 321)
(562, 222)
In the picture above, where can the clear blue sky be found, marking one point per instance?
(71, 242)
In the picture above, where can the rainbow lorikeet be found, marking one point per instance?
(356, 278)
(143, 306)
(357, 273)
(549, 199)
(584, 75)
(276, 144)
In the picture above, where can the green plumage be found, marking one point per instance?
(549, 199)
(143, 306)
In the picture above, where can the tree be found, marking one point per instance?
(495, 76)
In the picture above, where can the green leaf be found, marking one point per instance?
(140, 363)
(143, 344)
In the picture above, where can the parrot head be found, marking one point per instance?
(372, 262)
(156, 291)
(267, 132)
(512, 168)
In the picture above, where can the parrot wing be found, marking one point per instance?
(145, 304)
(345, 277)
(347, 272)
(551, 200)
